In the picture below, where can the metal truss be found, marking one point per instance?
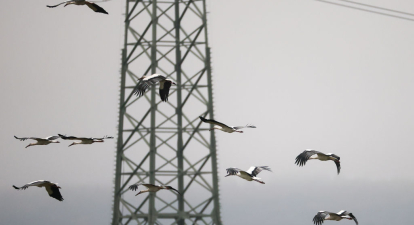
(165, 142)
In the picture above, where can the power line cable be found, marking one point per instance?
(366, 10)
(372, 6)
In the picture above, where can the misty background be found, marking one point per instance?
(306, 73)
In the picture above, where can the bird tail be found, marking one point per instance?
(16, 187)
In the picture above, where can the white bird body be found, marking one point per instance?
(91, 5)
(308, 154)
(325, 215)
(147, 81)
(151, 188)
(51, 188)
(249, 175)
(40, 141)
(83, 140)
(224, 127)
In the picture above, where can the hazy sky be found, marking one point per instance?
(306, 73)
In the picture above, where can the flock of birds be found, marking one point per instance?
(164, 87)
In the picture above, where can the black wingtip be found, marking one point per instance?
(16, 187)
(202, 119)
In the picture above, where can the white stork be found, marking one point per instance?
(91, 5)
(224, 127)
(325, 215)
(151, 188)
(146, 81)
(83, 141)
(40, 141)
(51, 188)
(303, 157)
(250, 174)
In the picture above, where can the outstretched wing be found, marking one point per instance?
(64, 137)
(54, 192)
(96, 7)
(164, 90)
(25, 138)
(51, 138)
(338, 165)
(105, 137)
(143, 85)
(353, 217)
(233, 171)
(247, 126)
(33, 183)
(303, 157)
(53, 6)
(254, 170)
(133, 187)
(320, 217)
(214, 122)
(345, 213)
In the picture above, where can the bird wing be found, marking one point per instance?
(25, 138)
(143, 85)
(149, 185)
(214, 122)
(233, 171)
(345, 213)
(64, 137)
(175, 190)
(37, 183)
(247, 126)
(338, 165)
(254, 170)
(96, 7)
(164, 90)
(53, 6)
(105, 137)
(353, 217)
(133, 187)
(303, 157)
(51, 138)
(54, 192)
(320, 217)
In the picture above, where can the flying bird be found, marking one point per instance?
(250, 174)
(40, 141)
(151, 188)
(303, 157)
(91, 5)
(146, 81)
(224, 127)
(325, 215)
(51, 188)
(84, 141)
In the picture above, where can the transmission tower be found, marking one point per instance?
(165, 143)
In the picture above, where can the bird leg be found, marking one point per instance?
(138, 193)
(28, 145)
(72, 144)
(239, 131)
(260, 181)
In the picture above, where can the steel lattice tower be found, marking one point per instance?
(165, 142)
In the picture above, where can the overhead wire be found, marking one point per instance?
(371, 11)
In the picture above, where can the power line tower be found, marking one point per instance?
(165, 142)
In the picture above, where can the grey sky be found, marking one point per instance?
(306, 73)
